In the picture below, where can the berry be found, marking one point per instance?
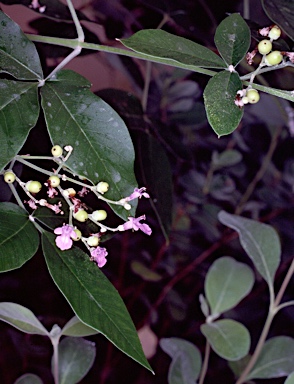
(273, 58)
(102, 187)
(54, 181)
(93, 241)
(57, 151)
(78, 233)
(33, 186)
(9, 177)
(245, 100)
(81, 215)
(69, 192)
(264, 47)
(253, 96)
(274, 33)
(99, 215)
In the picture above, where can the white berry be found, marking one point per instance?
(9, 177)
(264, 47)
(57, 151)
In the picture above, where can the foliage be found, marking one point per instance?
(192, 178)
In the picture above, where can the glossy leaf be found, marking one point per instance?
(19, 111)
(172, 49)
(228, 338)
(290, 379)
(92, 297)
(18, 55)
(29, 378)
(260, 241)
(186, 360)
(102, 147)
(21, 318)
(282, 13)
(232, 39)
(76, 357)
(276, 359)
(219, 97)
(226, 284)
(19, 239)
(74, 327)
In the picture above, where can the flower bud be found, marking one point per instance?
(99, 215)
(102, 187)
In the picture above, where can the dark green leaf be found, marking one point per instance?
(260, 241)
(172, 49)
(232, 39)
(74, 327)
(19, 111)
(92, 297)
(186, 360)
(276, 359)
(228, 338)
(18, 55)
(226, 284)
(29, 378)
(282, 13)
(102, 148)
(76, 357)
(21, 318)
(219, 96)
(19, 239)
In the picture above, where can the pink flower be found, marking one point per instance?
(134, 223)
(32, 204)
(64, 241)
(138, 193)
(98, 255)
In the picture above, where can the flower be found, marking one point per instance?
(98, 255)
(64, 241)
(138, 193)
(134, 223)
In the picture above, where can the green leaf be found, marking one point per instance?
(18, 55)
(260, 241)
(228, 338)
(19, 239)
(290, 379)
(227, 283)
(92, 297)
(186, 360)
(227, 158)
(29, 378)
(144, 272)
(21, 318)
(282, 13)
(102, 147)
(232, 39)
(76, 357)
(172, 49)
(219, 97)
(19, 111)
(74, 327)
(275, 360)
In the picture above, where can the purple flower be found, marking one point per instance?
(138, 193)
(98, 255)
(134, 223)
(64, 241)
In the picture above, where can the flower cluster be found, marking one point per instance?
(68, 233)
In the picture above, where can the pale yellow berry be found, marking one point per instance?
(69, 192)
(33, 186)
(273, 58)
(264, 47)
(99, 215)
(78, 233)
(9, 177)
(102, 187)
(274, 33)
(81, 215)
(57, 151)
(54, 181)
(93, 241)
(253, 96)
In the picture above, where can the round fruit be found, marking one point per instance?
(69, 192)
(274, 33)
(93, 241)
(33, 186)
(99, 215)
(78, 233)
(57, 151)
(253, 96)
(81, 215)
(273, 58)
(264, 47)
(245, 100)
(54, 181)
(102, 187)
(9, 177)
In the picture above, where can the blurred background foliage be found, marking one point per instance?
(190, 174)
